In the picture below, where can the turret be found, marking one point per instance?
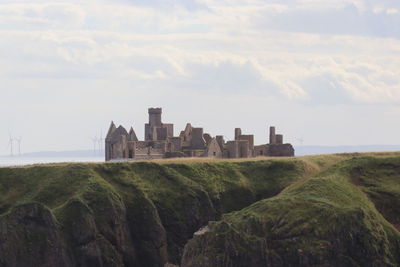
(272, 135)
(238, 132)
(155, 117)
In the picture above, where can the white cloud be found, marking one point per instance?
(392, 11)
(115, 54)
(40, 15)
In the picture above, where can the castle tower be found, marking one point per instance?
(272, 135)
(238, 132)
(155, 130)
(150, 129)
(279, 139)
(155, 117)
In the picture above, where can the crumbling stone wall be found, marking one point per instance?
(232, 150)
(284, 150)
(221, 142)
(207, 137)
(213, 149)
(160, 142)
(186, 135)
(279, 139)
(198, 141)
(261, 150)
(176, 144)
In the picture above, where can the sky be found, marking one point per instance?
(323, 72)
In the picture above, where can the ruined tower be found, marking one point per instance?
(279, 139)
(155, 117)
(160, 142)
(272, 135)
(238, 132)
(155, 130)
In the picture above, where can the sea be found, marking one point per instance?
(93, 156)
(8, 161)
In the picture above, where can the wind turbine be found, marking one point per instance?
(95, 141)
(10, 144)
(301, 140)
(19, 144)
(100, 142)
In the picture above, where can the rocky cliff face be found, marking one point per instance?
(286, 212)
(326, 220)
(130, 214)
(30, 236)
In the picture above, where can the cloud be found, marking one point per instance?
(40, 15)
(167, 4)
(347, 19)
(105, 57)
(188, 62)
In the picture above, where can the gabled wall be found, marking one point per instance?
(213, 150)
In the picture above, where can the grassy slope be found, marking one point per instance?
(160, 203)
(331, 218)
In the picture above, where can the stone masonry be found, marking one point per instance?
(160, 142)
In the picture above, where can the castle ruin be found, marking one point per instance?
(160, 142)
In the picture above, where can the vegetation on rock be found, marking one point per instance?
(320, 210)
(345, 215)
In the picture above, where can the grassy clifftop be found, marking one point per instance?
(267, 211)
(132, 214)
(346, 215)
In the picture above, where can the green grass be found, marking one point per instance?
(170, 198)
(299, 203)
(344, 215)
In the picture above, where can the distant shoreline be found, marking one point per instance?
(316, 150)
(89, 155)
(55, 154)
(299, 151)
(24, 160)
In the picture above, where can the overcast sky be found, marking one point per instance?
(325, 71)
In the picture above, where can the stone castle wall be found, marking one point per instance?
(192, 142)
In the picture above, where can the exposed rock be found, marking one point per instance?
(143, 214)
(29, 236)
(148, 233)
(323, 221)
(223, 246)
(109, 214)
(81, 232)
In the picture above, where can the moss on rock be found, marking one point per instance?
(320, 210)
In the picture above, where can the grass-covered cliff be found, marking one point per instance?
(346, 215)
(321, 210)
